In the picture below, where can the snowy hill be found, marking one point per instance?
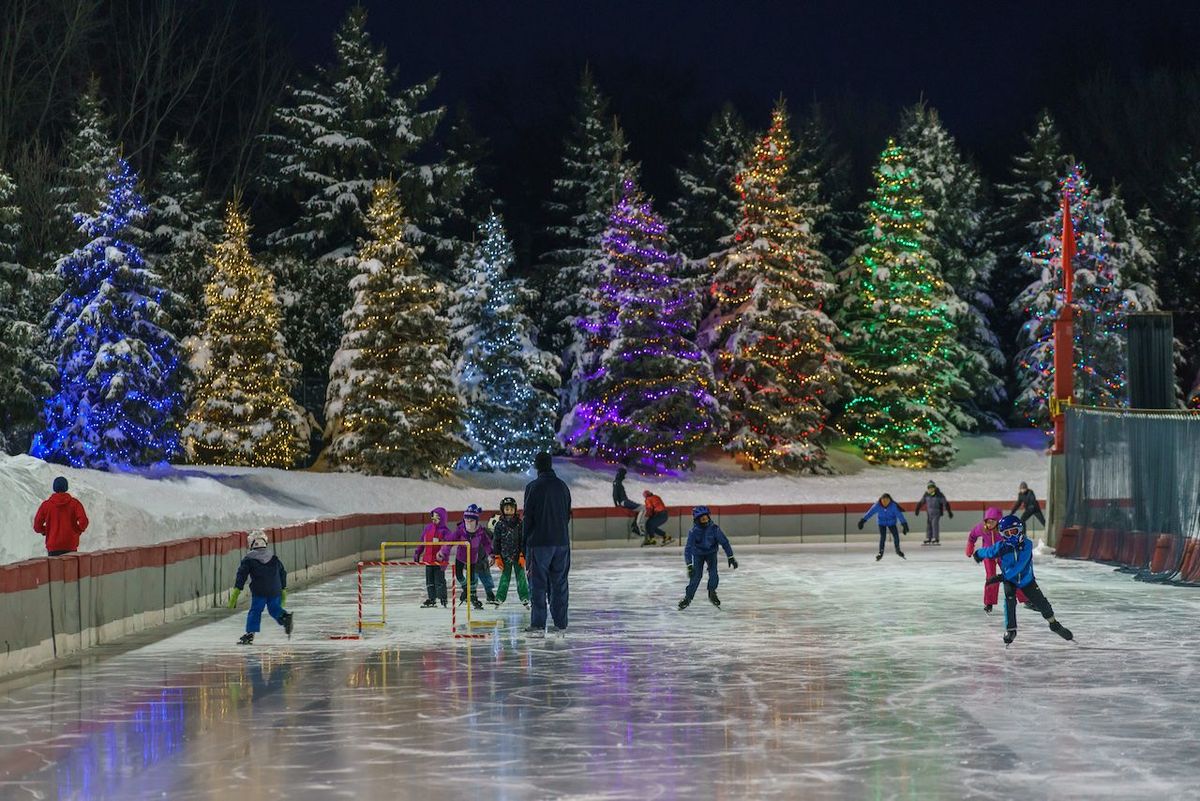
(139, 508)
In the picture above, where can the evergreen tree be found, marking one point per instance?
(593, 167)
(649, 401)
(86, 159)
(953, 195)
(242, 413)
(898, 330)
(769, 335)
(391, 409)
(823, 187)
(116, 396)
(505, 381)
(1179, 266)
(1103, 295)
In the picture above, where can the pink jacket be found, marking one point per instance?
(989, 536)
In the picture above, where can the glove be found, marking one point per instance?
(521, 561)
(904, 528)
(977, 557)
(491, 526)
(733, 563)
(499, 561)
(917, 513)
(950, 514)
(691, 570)
(862, 523)
(233, 596)
(283, 598)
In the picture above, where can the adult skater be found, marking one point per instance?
(547, 546)
(60, 519)
(1029, 503)
(268, 587)
(1015, 553)
(988, 532)
(935, 505)
(700, 551)
(621, 500)
(656, 516)
(889, 512)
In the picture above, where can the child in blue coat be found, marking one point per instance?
(701, 549)
(889, 512)
(268, 587)
(1015, 553)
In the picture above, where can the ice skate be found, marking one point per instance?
(559, 633)
(534, 633)
(878, 556)
(491, 599)
(525, 604)
(927, 542)
(476, 603)
(901, 554)
(666, 541)
(246, 639)
(987, 609)
(712, 596)
(647, 541)
(937, 542)
(287, 624)
(1009, 636)
(429, 604)
(443, 603)
(684, 604)
(1061, 630)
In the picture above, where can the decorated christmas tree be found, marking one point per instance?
(506, 383)
(242, 413)
(116, 399)
(1178, 239)
(86, 160)
(769, 335)
(898, 331)
(648, 400)
(391, 408)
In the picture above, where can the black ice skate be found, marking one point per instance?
(491, 599)
(430, 603)
(901, 554)
(246, 639)
(666, 541)
(927, 542)
(1061, 630)
(1009, 636)
(712, 596)
(647, 541)
(878, 556)
(684, 604)
(476, 604)
(987, 609)
(287, 624)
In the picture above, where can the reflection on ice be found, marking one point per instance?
(826, 675)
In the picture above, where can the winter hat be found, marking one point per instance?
(1024, 486)
(60, 484)
(993, 514)
(542, 461)
(621, 473)
(257, 539)
(472, 512)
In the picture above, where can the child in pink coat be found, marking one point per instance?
(986, 531)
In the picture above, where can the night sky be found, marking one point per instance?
(667, 66)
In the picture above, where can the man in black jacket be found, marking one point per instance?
(547, 546)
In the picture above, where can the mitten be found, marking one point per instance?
(862, 523)
(491, 526)
(904, 527)
(691, 570)
(916, 513)
(233, 596)
(950, 514)
(977, 557)
(499, 560)
(733, 563)
(283, 598)
(521, 561)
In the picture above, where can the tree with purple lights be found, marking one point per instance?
(649, 402)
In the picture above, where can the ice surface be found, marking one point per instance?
(825, 675)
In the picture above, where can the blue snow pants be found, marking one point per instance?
(548, 566)
(274, 606)
(713, 579)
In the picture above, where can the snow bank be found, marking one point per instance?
(144, 507)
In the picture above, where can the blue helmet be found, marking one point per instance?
(1011, 528)
(699, 512)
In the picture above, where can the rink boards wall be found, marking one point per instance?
(58, 606)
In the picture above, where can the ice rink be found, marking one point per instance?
(825, 675)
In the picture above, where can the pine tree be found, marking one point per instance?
(958, 242)
(183, 234)
(649, 400)
(1179, 266)
(822, 184)
(505, 381)
(593, 167)
(242, 413)
(116, 397)
(391, 409)
(898, 330)
(1103, 295)
(86, 159)
(769, 335)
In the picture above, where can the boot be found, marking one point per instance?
(429, 603)
(900, 553)
(287, 624)
(878, 556)
(685, 603)
(987, 609)
(1061, 630)
(246, 639)
(1009, 636)
(476, 604)
(491, 598)
(712, 596)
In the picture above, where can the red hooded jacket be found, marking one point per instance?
(61, 519)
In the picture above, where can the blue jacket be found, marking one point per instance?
(547, 511)
(702, 541)
(1016, 561)
(267, 575)
(888, 515)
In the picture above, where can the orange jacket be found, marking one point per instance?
(654, 504)
(61, 519)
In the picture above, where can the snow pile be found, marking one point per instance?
(164, 504)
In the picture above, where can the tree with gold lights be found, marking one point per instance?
(242, 413)
(899, 335)
(770, 338)
(648, 402)
(391, 408)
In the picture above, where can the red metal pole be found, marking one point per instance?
(360, 566)
(1064, 336)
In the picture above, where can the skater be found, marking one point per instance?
(656, 515)
(1015, 553)
(889, 512)
(547, 547)
(268, 587)
(1027, 501)
(988, 532)
(508, 542)
(436, 531)
(701, 549)
(470, 531)
(60, 519)
(935, 504)
(622, 501)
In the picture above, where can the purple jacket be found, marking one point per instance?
(432, 534)
(481, 543)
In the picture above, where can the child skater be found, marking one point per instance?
(470, 531)
(268, 587)
(435, 531)
(1015, 553)
(701, 549)
(889, 512)
(988, 532)
(508, 542)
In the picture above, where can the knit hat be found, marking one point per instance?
(60, 484)
(472, 512)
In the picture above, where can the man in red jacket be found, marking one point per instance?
(60, 519)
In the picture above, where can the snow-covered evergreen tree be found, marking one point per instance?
(822, 185)
(648, 401)
(1103, 295)
(1178, 273)
(953, 193)
(769, 335)
(242, 413)
(1031, 194)
(85, 161)
(391, 407)
(116, 395)
(506, 383)
(898, 330)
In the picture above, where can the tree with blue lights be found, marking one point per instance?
(506, 382)
(115, 400)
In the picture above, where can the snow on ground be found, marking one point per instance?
(159, 504)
